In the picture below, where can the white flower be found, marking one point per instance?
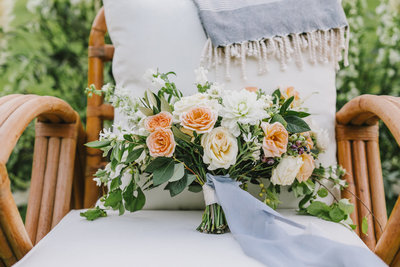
(215, 90)
(201, 75)
(107, 134)
(154, 79)
(267, 100)
(98, 181)
(197, 100)
(320, 134)
(286, 171)
(220, 148)
(241, 107)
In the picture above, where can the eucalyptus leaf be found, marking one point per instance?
(98, 144)
(132, 202)
(195, 188)
(179, 172)
(134, 155)
(165, 105)
(158, 163)
(163, 174)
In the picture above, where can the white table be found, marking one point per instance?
(151, 238)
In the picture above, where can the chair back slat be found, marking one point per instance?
(97, 112)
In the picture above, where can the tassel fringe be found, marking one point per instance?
(325, 47)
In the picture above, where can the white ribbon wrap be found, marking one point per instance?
(209, 195)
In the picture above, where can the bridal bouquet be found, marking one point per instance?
(253, 137)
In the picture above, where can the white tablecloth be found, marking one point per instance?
(151, 238)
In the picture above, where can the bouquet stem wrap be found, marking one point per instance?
(213, 220)
(254, 225)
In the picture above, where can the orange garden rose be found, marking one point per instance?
(275, 140)
(160, 120)
(161, 143)
(199, 119)
(306, 169)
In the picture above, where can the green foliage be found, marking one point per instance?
(374, 59)
(93, 214)
(47, 55)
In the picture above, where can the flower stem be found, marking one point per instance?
(213, 220)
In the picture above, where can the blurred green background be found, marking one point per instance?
(45, 53)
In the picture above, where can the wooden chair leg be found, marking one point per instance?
(396, 260)
(7, 257)
(15, 233)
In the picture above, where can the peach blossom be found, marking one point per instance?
(161, 143)
(306, 169)
(199, 119)
(160, 120)
(275, 140)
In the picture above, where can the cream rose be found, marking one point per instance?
(286, 171)
(306, 168)
(220, 148)
(197, 100)
(199, 119)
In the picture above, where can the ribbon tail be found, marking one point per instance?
(254, 226)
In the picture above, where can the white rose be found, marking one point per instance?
(201, 75)
(243, 107)
(320, 134)
(220, 148)
(286, 171)
(196, 100)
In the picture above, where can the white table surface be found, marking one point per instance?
(151, 238)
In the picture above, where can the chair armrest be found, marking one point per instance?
(55, 161)
(363, 111)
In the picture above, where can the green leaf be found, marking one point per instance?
(157, 163)
(128, 137)
(163, 174)
(177, 187)
(195, 188)
(296, 124)
(134, 155)
(346, 206)
(286, 105)
(336, 214)
(132, 202)
(180, 135)
(353, 226)
(115, 183)
(93, 214)
(114, 199)
(317, 208)
(98, 144)
(300, 114)
(277, 94)
(322, 192)
(179, 172)
(165, 105)
(279, 118)
(364, 225)
(146, 111)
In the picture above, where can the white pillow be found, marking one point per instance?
(167, 34)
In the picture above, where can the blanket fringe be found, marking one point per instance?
(323, 46)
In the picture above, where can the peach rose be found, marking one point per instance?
(275, 140)
(251, 89)
(199, 119)
(289, 92)
(160, 120)
(161, 143)
(306, 168)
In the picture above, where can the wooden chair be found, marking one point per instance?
(57, 177)
(358, 151)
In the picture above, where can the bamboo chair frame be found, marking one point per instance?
(358, 152)
(57, 171)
